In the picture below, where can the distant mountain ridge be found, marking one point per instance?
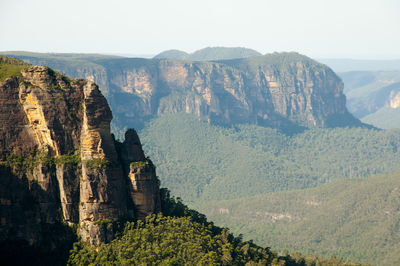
(288, 91)
(209, 54)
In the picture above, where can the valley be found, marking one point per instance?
(263, 144)
(201, 162)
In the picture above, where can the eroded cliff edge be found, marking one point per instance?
(288, 91)
(59, 163)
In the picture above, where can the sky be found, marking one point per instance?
(360, 29)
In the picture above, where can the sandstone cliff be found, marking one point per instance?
(283, 90)
(286, 91)
(59, 162)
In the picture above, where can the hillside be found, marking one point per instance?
(385, 117)
(181, 241)
(183, 236)
(201, 162)
(209, 54)
(287, 91)
(357, 219)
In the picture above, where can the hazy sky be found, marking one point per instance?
(317, 28)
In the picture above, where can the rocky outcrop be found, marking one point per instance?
(144, 186)
(394, 98)
(59, 162)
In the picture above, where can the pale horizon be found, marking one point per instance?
(319, 29)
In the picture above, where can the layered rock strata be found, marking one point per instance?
(282, 90)
(59, 162)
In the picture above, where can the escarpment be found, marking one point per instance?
(59, 163)
(287, 91)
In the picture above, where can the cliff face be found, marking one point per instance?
(59, 162)
(279, 90)
(283, 90)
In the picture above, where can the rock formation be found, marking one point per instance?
(282, 90)
(59, 162)
(393, 100)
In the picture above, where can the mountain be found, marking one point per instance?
(288, 91)
(209, 54)
(356, 218)
(59, 163)
(63, 175)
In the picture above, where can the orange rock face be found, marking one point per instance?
(59, 162)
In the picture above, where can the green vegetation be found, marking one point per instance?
(168, 241)
(286, 62)
(184, 238)
(140, 164)
(104, 222)
(9, 71)
(385, 117)
(22, 165)
(201, 162)
(64, 62)
(97, 163)
(357, 219)
(10, 67)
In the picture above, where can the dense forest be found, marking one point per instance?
(184, 237)
(201, 162)
(357, 219)
(177, 236)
